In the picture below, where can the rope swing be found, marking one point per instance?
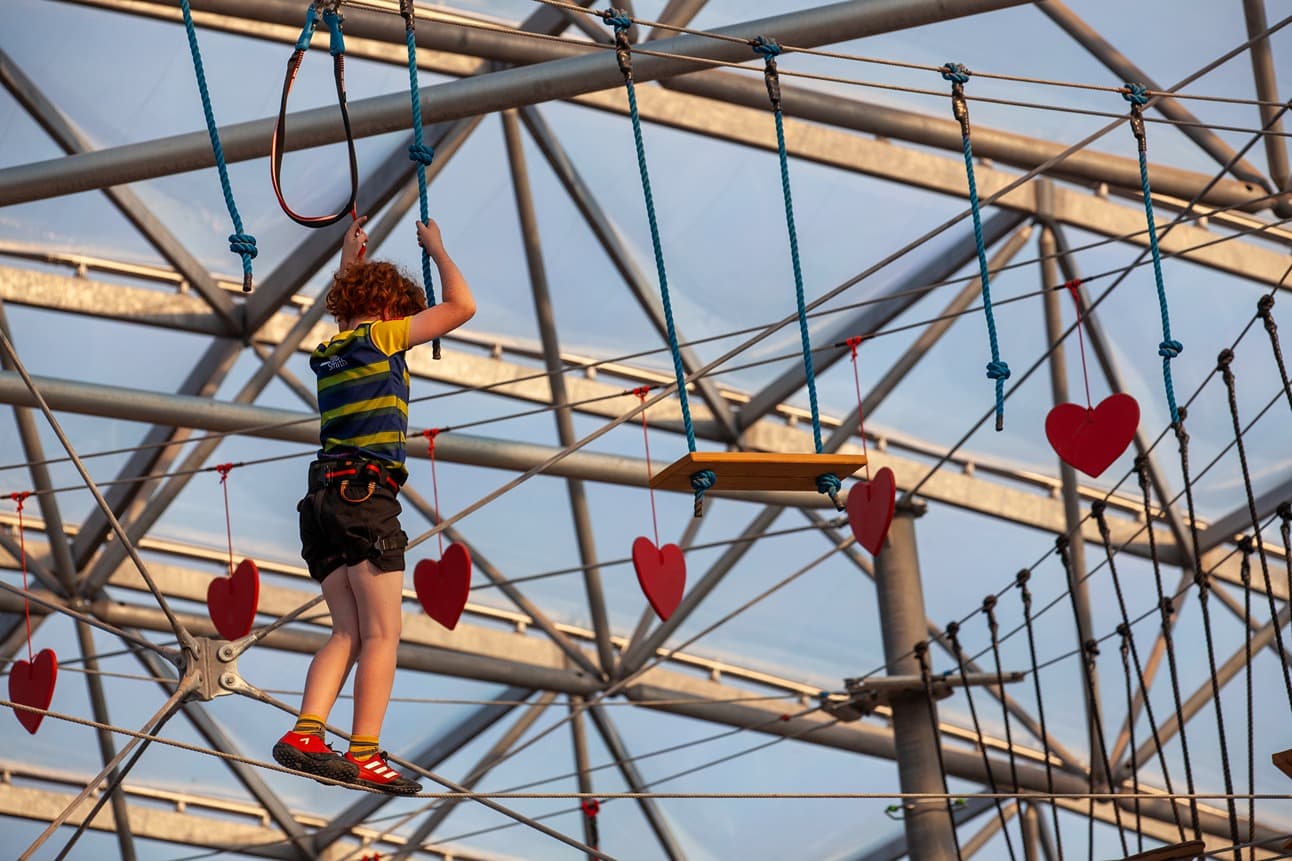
(240, 242)
(997, 369)
(419, 152)
(739, 470)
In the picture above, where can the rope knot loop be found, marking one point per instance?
(244, 244)
(1098, 507)
(1170, 348)
(431, 434)
(617, 18)
(20, 497)
(829, 484)
(1091, 648)
(1021, 578)
(590, 806)
(700, 482)
(956, 73)
(1285, 511)
(1264, 305)
(621, 21)
(766, 47)
(921, 648)
(769, 49)
(641, 392)
(1136, 94)
(1072, 285)
(1168, 607)
(989, 603)
(853, 343)
(1124, 630)
(1061, 543)
(1245, 545)
(998, 370)
(224, 469)
(953, 630)
(423, 154)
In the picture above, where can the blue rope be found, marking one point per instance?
(422, 154)
(1169, 348)
(240, 242)
(621, 23)
(997, 369)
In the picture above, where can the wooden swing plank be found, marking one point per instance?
(757, 470)
(1283, 760)
(1174, 852)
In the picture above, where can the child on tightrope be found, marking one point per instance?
(349, 519)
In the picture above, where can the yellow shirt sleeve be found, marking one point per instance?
(390, 336)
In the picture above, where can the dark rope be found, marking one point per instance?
(1098, 509)
(1263, 309)
(1090, 649)
(953, 634)
(1225, 366)
(1167, 609)
(1021, 582)
(989, 609)
(1203, 581)
(1245, 546)
(922, 656)
(1124, 630)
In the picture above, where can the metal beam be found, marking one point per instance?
(941, 263)
(1128, 72)
(545, 316)
(628, 770)
(616, 248)
(678, 13)
(1088, 168)
(896, 848)
(1267, 90)
(582, 769)
(556, 79)
(71, 140)
(1227, 528)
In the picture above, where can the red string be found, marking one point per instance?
(1074, 288)
(431, 434)
(641, 392)
(22, 553)
(853, 343)
(224, 469)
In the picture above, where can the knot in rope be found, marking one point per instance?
(333, 21)
(1098, 507)
(591, 807)
(1061, 543)
(1264, 305)
(1246, 545)
(766, 47)
(1072, 285)
(20, 497)
(1091, 648)
(224, 469)
(1224, 359)
(1167, 606)
(1124, 630)
(989, 603)
(1285, 511)
(953, 630)
(700, 482)
(998, 370)
(853, 343)
(617, 18)
(956, 73)
(1170, 348)
(641, 392)
(406, 11)
(431, 434)
(1136, 94)
(1021, 578)
(423, 154)
(921, 649)
(829, 484)
(244, 244)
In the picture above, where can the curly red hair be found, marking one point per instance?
(373, 289)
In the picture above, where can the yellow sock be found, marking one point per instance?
(309, 725)
(363, 747)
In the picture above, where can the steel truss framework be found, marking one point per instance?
(537, 658)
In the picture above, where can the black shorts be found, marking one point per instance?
(336, 532)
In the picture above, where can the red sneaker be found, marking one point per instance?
(375, 773)
(310, 754)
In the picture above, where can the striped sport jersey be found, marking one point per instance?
(363, 394)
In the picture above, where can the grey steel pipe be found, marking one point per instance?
(510, 88)
(1267, 90)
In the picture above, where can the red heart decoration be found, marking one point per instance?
(1091, 439)
(231, 601)
(32, 684)
(442, 587)
(661, 571)
(870, 509)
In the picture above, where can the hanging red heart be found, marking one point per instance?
(870, 509)
(661, 571)
(231, 601)
(32, 684)
(442, 587)
(1091, 439)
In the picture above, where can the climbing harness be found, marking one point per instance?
(240, 242)
(329, 10)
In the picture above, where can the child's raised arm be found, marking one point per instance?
(456, 305)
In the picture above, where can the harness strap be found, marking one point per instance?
(332, 18)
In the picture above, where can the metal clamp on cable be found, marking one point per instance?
(329, 10)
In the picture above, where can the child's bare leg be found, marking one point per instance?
(333, 661)
(377, 597)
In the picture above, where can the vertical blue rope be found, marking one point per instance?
(621, 23)
(1169, 348)
(240, 242)
(997, 369)
(419, 153)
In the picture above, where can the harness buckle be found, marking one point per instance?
(345, 485)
